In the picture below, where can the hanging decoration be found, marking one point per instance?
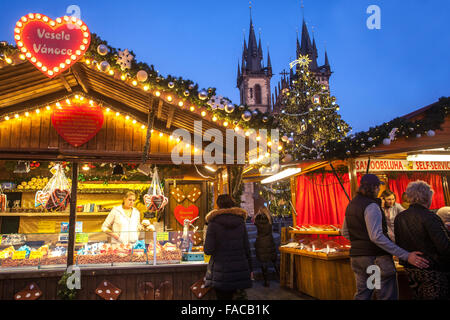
(124, 59)
(52, 46)
(77, 122)
(178, 194)
(155, 200)
(182, 213)
(56, 194)
(194, 194)
(102, 50)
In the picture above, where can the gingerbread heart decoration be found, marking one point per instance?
(194, 194)
(155, 203)
(178, 195)
(58, 200)
(181, 213)
(41, 198)
(52, 46)
(77, 122)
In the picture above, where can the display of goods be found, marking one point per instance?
(35, 183)
(13, 239)
(3, 201)
(10, 263)
(316, 227)
(7, 253)
(47, 261)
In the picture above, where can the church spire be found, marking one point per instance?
(269, 64)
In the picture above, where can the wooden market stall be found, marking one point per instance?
(323, 189)
(99, 115)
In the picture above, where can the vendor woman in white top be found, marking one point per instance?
(123, 221)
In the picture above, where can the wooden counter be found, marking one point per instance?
(325, 277)
(138, 282)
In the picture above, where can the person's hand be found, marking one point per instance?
(415, 259)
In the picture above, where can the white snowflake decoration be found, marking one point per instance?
(125, 59)
(218, 102)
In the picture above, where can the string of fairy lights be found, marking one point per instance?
(79, 98)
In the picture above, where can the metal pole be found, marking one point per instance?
(342, 186)
(72, 217)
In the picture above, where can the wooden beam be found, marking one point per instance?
(160, 105)
(77, 73)
(65, 83)
(40, 101)
(352, 176)
(170, 117)
(72, 216)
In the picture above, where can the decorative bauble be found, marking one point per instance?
(158, 79)
(171, 84)
(265, 119)
(291, 140)
(370, 139)
(142, 76)
(246, 116)
(229, 108)
(363, 145)
(284, 138)
(104, 66)
(386, 141)
(202, 95)
(186, 93)
(235, 122)
(102, 50)
(255, 113)
(411, 129)
(348, 152)
(210, 90)
(191, 87)
(431, 133)
(241, 108)
(94, 63)
(418, 135)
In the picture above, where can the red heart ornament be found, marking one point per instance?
(77, 122)
(51, 45)
(181, 213)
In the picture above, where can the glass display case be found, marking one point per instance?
(46, 251)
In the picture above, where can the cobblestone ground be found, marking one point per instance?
(274, 292)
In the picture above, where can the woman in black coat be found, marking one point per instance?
(227, 242)
(419, 229)
(265, 245)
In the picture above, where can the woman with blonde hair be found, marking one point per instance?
(265, 245)
(122, 222)
(419, 229)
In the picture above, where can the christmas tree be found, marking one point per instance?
(309, 117)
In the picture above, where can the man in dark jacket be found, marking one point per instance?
(371, 249)
(227, 243)
(419, 229)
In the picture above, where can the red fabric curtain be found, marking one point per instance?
(321, 200)
(399, 184)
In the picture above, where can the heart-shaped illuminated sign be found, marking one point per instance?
(181, 213)
(51, 45)
(77, 122)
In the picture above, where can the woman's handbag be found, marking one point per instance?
(201, 287)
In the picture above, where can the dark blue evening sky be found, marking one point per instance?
(378, 74)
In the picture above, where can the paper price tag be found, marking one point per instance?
(35, 255)
(162, 236)
(19, 255)
(82, 238)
